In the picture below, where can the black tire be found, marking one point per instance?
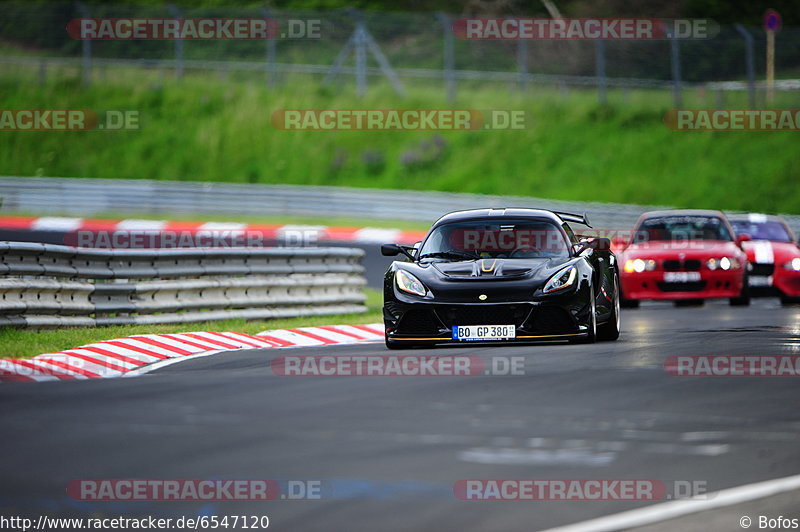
(786, 300)
(689, 302)
(629, 303)
(609, 330)
(592, 336)
(744, 297)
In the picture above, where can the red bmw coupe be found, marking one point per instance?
(686, 256)
(774, 256)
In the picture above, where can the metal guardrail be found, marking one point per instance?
(85, 196)
(53, 286)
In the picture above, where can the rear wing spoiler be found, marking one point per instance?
(577, 218)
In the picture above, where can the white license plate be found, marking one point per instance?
(471, 333)
(760, 280)
(681, 277)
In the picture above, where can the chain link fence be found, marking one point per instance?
(419, 47)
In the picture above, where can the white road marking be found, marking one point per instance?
(134, 224)
(56, 223)
(377, 235)
(168, 362)
(486, 455)
(222, 226)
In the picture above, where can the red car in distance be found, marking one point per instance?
(686, 256)
(774, 256)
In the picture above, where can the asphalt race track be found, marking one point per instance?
(388, 450)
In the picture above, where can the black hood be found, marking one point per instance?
(492, 268)
(504, 279)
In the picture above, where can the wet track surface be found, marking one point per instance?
(389, 450)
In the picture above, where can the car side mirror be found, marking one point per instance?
(601, 243)
(744, 237)
(592, 243)
(582, 246)
(392, 250)
(619, 243)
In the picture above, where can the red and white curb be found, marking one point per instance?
(125, 231)
(138, 354)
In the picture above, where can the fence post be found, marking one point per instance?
(750, 62)
(522, 63)
(361, 58)
(86, 48)
(675, 61)
(361, 42)
(600, 70)
(271, 51)
(449, 56)
(175, 12)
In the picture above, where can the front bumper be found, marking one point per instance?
(712, 284)
(560, 318)
(772, 280)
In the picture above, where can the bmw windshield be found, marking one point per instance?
(774, 231)
(480, 239)
(682, 228)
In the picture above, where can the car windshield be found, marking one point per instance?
(681, 228)
(491, 239)
(769, 230)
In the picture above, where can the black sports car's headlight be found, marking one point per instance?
(562, 279)
(408, 283)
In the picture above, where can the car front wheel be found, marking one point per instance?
(610, 329)
(744, 296)
(591, 337)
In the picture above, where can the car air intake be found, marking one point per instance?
(484, 315)
(689, 265)
(692, 286)
(762, 269)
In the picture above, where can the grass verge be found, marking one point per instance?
(207, 129)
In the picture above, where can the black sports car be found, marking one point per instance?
(501, 275)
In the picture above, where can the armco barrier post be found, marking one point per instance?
(749, 58)
(675, 62)
(449, 56)
(86, 48)
(175, 12)
(600, 70)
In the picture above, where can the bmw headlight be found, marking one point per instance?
(793, 265)
(408, 283)
(724, 263)
(639, 265)
(562, 279)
